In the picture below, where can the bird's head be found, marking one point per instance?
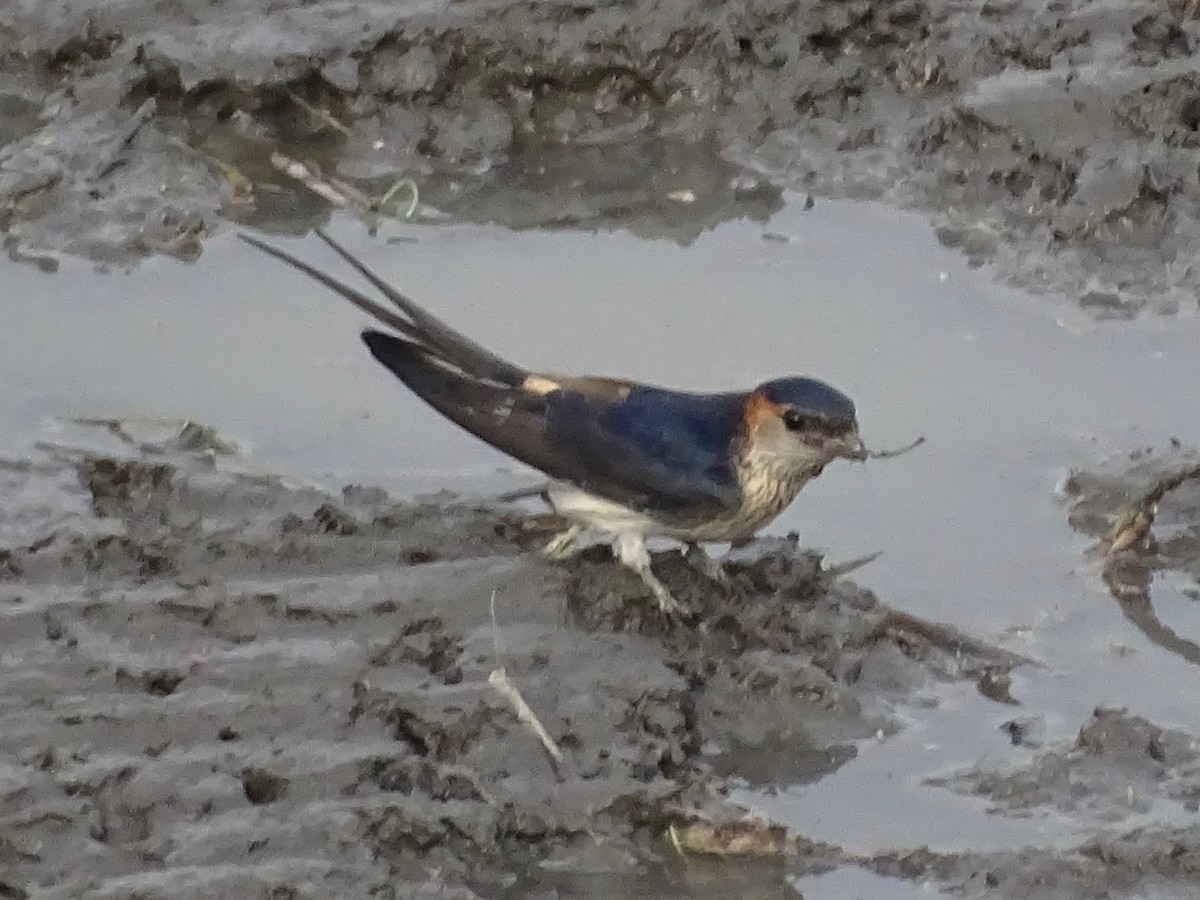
(802, 423)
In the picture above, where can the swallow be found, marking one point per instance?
(626, 461)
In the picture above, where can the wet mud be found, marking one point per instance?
(1118, 766)
(1134, 784)
(217, 684)
(1056, 141)
(223, 684)
(1128, 781)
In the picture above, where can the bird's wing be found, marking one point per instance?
(607, 443)
(654, 450)
(650, 449)
(508, 417)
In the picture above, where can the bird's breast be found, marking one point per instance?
(767, 486)
(767, 490)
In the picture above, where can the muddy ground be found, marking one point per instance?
(1057, 140)
(218, 684)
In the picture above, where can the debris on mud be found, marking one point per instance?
(749, 837)
(1144, 513)
(1055, 141)
(209, 677)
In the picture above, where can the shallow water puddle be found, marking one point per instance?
(971, 532)
(855, 884)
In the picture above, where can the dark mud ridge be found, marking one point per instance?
(1058, 140)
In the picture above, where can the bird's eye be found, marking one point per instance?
(794, 421)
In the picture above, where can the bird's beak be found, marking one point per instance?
(852, 446)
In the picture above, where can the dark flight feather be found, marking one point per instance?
(510, 419)
(453, 346)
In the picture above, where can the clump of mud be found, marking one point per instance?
(1143, 863)
(1146, 506)
(219, 684)
(1056, 141)
(1119, 766)
(1144, 512)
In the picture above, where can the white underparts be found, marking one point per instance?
(768, 484)
(598, 513)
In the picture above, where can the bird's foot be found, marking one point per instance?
(710, 568)
(668, 604)
(631, 550)
(564, 545)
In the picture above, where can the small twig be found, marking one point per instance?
(506, 689)
(237, 181)
(1129, 563)
(950, 640)
(503, 685)
(1132, 526)
(495, 629)
(751, 837)
(862, 454)
(321, 114)
(118, 146)
(892, 454)
(337, 192)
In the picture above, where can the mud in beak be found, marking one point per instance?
(851, 446)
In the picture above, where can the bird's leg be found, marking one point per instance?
(565, 544)
(631, 550)
(706, 565)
